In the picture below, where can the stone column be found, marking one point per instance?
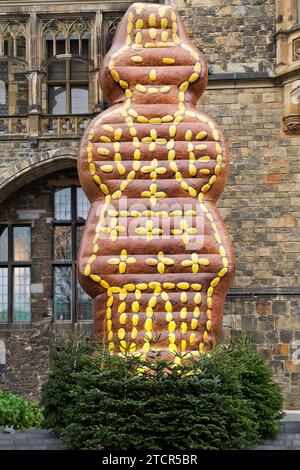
(34, 76)
(96, 34)
(34, 82)
(34, 87)
(96, 90)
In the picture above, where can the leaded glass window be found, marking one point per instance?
(67, 51)
(70, 302)
(15, 273)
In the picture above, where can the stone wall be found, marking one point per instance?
(42, 439)
(260, 206)
(235, 35)
(28, 346)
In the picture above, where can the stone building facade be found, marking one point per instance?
(50, 54)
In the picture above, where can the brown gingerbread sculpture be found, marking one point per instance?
(155, 254)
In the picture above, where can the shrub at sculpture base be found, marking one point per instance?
(224, 400)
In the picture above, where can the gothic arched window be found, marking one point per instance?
(13, 66)
(67, 62)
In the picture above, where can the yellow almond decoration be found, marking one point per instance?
(104, 284)
(183, 313)
(152, 302)
(138, 37)
(139, 24)
(106, 168)
(183, 297)
(169, 317)
(102, 151)
(167, 118)
(192, 338)
(172, 131)
(97, 180)
(164, 35)
(183, 327)
(193, 77)
(152, 33)
(196, 286)
(215, 134)
(188, 135)
(148, 324)
(137, 59)
(164, 23)
(172, 338)
(142, 286)
(122, 307)
(103, 138)
(223, 272)
(134, 333)
(153, 75)
(210, 291)
(121, 333)
(168, 61)
(183, 285)
(196, 312)
(115, 75)
(152, 19)
(152, 90)
(87, 270)
(168, 285)
(141, 88)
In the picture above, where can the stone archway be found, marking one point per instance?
(29, 170)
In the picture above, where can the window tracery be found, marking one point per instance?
(13, 66)
(67, 52)
(13, 40)
(66, 37)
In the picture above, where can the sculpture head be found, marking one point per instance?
(152, 59)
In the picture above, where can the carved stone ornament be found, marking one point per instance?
(155, 253)
(292, 124)
(296, 49)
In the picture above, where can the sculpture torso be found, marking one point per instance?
(155, 253)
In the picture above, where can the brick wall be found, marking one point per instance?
(235, 35)
(28, 346)
(260, 206)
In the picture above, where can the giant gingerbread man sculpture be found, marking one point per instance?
(155, 253)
